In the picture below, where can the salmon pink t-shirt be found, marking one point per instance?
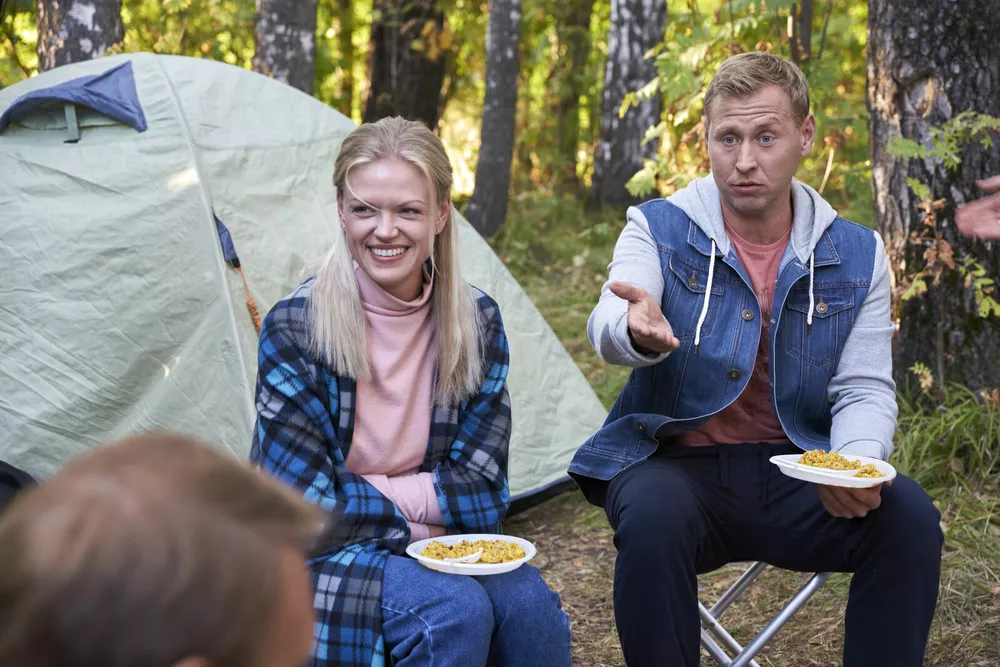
(751, 417)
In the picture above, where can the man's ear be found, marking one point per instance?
(808, 135)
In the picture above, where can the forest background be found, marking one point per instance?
(557, 114)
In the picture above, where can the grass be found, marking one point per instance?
(559, 253)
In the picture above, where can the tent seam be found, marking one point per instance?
(248, 401)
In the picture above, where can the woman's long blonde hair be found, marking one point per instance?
(339, 335)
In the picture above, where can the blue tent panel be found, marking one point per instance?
(226, 239)
(111, 93)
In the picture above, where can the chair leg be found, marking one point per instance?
(712, 624)
(714, 649)
(747, 655)
(737, 589)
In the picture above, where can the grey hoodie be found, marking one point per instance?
(861, 390)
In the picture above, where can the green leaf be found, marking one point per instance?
(644, 180)
(918, 188)
(989, 306)
(916, 288)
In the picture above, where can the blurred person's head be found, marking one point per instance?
(156, 551)
(758, 127)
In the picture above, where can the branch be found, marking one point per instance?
(826, 23)
(12, 40)
(732, 27)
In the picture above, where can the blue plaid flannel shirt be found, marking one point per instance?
(305, 421)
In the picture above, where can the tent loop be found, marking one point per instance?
(72, 126)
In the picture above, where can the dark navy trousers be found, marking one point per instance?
(690, 510)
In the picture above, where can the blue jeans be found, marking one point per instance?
(442, 620)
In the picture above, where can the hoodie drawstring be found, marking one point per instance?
(708, 295)
(812, 299)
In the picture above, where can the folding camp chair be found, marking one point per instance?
(745, 656)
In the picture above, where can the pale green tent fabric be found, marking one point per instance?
(117, 310)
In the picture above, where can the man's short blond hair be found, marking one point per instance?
(746, 74)
(146, 552)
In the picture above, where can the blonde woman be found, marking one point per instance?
(382, 393)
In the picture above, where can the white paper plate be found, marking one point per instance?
(789, 464)
(415, 549)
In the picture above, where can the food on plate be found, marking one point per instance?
(834, 461)
(869, 470)
(494, 551)
(829, 460)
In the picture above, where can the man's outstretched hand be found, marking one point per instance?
(982, 217)
(650, 332)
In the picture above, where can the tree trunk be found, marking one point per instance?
(406, 72)
(71, 31)
(346, 42)
(286, 42)
(928, 61)
(487, 208)
(802, 37)
(574, 32)
(636, 27)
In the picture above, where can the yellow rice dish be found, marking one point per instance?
(834, 461)
(869, 470)
(494, 551)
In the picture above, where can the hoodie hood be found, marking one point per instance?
(811, 214)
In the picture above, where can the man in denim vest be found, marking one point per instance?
(757, 323)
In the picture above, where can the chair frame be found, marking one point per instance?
(710, 624)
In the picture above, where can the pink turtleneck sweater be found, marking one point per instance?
(393, 413)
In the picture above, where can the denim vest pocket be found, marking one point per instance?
(831, 315)
(685, 282)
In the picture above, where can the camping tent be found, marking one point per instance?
(119, 311)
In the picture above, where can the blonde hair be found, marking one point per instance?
(337, 319)
(745, 74)
(146, 552)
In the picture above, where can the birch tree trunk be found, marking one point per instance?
(487, 208)
(286, 42)
(636, 27)
(71, 31)
(928, 61)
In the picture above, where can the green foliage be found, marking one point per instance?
(947, 143)
(945, 146)
(559, 253)
(338, 71)
(215, 29)
(939, 445)
(541, 162)
(18, 42)
(701, 35)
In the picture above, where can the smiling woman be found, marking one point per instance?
(382, 391)
(390, 222)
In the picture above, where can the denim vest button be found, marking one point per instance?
(747, 314)
(821, 308)
(641, 427)
(693, 282)
(733, 374)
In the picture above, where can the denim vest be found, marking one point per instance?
(684, 390)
